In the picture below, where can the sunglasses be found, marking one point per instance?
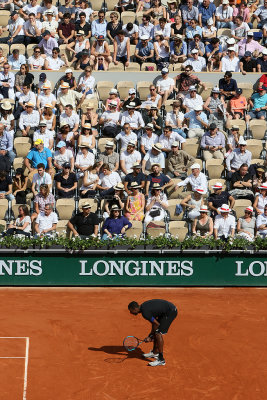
(67, 167)
(36, 51)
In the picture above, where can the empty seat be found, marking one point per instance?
(257, 128)
(155, 229)
(139, 16)
(205, 93)
(4, 17)
(3, 208)
(22, 145)
(127, 16)
(224, 32)
(174, 194)
(103, 88)
(177, 67)
(114, 67)
(240, 206)
(143, 89)
(102, 142)
(255, 147)
(19, 163)
(92, 202)
(178, 229)
(65, 208)
(123, 88)
(214, 168)
(136, 229)
(191, 148)
(133, 66)
(97, 5)
(5, 47)
(62, 227)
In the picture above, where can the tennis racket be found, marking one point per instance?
(131, 343)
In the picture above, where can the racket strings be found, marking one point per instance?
(130, 343)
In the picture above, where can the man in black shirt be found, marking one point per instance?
(82, 25)
(218, 198)
(227, 86)
(242, 184)
(85, 223)
(157, 177)
(247, 64)
(135, 176)
(161, 314)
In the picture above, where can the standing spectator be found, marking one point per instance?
(121, 45)
(85, 223)
(46, 222)
(165, 85)
(224, 224)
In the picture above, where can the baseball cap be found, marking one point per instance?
(195, 166)
(68, 71)
(132, 91)
(13, 13)
(66, 165)
(198, 108)
(109, 144)
(164, 71)
(230, 41)
(239, 91)
(39, 141)
(61, 144)
(175, 144)
(42, 123)
(264, 52)
(100, 37)
(248, 54)
(250, 34)
(262, 88)
(144, 37)
(191, 88)
(194, 51)
(42, 77)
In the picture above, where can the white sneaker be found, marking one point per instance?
(156, 363)
(150, 355)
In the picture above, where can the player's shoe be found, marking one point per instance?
(156, 363)
(150, 355)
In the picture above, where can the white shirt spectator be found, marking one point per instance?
(48, 135)
(261, 220)
(54, 63)
(146, 30)
(166, 32)
(26, 98)
(196, 182)
(85, 161)
(113, 116)
(191, 103)
(31, 119)
(31, 29)
(9, 78)
(151, 159)
(54, 9)
(148, 142)
(38, 180)
(167, 142)
(224, 225)
(16, 63)
(62, 158)
(28, 9)
(108, 181)
(46, 221)
(72, 120)
(36, 62)
(231, 65)
(50, 26)
(198, 64)
(165, 84)
(172, 118)
(44, 99)
(236, 159)
(240, 31)
(135, 120)
(13, 26)
(130, 159)
(130, 33)
(125, 139)
(224, 13)
(88, 82)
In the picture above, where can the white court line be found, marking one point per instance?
(27, 343)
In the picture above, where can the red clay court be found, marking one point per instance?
(215, 349)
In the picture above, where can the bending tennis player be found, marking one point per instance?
(160, 313)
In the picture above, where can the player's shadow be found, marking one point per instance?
(119, 351)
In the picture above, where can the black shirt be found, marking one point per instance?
(237, 177)
(136, 101)
(218, 200)
(113, 32)
(84, 225)
(161, 179)
(4, 184)
(86, 28)
(66, 183)
(228, 87)
(248, 65)
(139, 178)
(156, 309)
(262, 63)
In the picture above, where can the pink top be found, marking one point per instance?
(117, 99)
(243, 12)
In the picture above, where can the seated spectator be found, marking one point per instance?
(115, 225)
(128, 157)
(178, 49)
(99, 26)
(85, 223)
(213, 48)
(28, 121)
(260, 199)
(68, 96)
(238, 157)
(165, 85)
(133, 117)
(85, 7)
(49, 118)
(224, 15)
(224, 224)
(175, 118)
(241, 183)
(213, 101)
(239, 29)
(22, 224)
(238, 104)
(218, 198)
(45, 135)
(153, 117)
(189, 12)
(14, 29)
(90, 117)
(157, 204)
(100, 47)
(197, 122)
(7, 81)
(136, 176)
(75, 47)
(230, 62)
(132, 98)
(39, 154)
(70, 117)
(196, 179)
(146, 27)
(233, 139)
(206, 11)
(261, 223)
(109, 157)
(116, 198)
(244, 11)
(258, 104)
(156, 176)
(46, 222)
(110, 120)
(42, 81)
(209, 32)
(192, 100)
(203, 225)
(246, 225)
(46, 97)
(51, 25)
(259, 178)
(66, 182)
(148, 139)
(6, 144)
(84, 159)
(153, 156)
(67, 8)
(15, 60)
(196, 44)
(260, 14)
(144, 51)
(247, 64)
(32, 30)
(153, 99)
(213, 143)
(227, 86)
(124, 5)
(86, 82)
(113, 27)
(66, 30)
(69, 78)
(193, 203)
(167, 138)
(108, 179)
(178, 162)
(131, 31)
(5, 186)
(87, 137)
(54, 62)
(193, 29)
(24, 96)
(186, 79)
(63, 156)
(126, 136)
(40, 177)
(121, 45)
(248, 44)
(162, 27)
(42, 198)
(197, 62)
(47, 8)
(162, 50)
(48, 43)
(84, 61)
(261, 62)
(19, 186)
(113, 95)
(90, 180)
(214, 64)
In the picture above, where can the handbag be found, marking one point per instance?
(155, 213)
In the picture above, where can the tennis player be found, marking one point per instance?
(161, 314)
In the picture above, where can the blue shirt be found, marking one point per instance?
(37, 157)
(190, 32)
(258, 101)
(99, 29)
(161, 179)
(262, 63)
(206, 13)
(114, 226)
(209, 49)
(228, 87)
(193, 122)
(6, 141)
(183, 49)
(144, 51)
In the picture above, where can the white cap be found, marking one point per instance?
(175, 144)
(132, 91)
(264, 52)
(198, 108)
(225, 2)
(192, 88)
(68, 71)
(230, 41)
(195, 166)
(224, 208)
(250, 34)
(231, 48)
(165, 70)
(242, 141)
(113, 91)
(144, 37)
(194, 51)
